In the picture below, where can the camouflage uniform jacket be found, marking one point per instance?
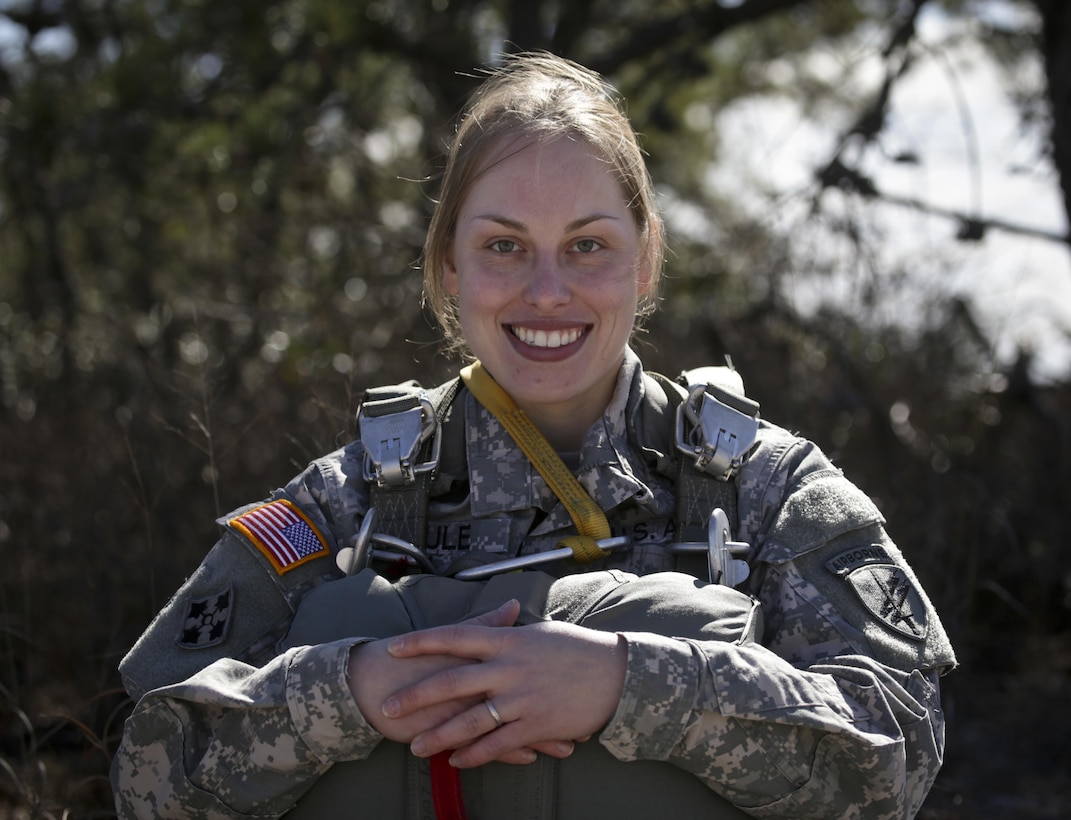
(836, 714)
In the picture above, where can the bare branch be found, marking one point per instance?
(871, 120)
(709, 21)
(868, 125)
(972, 227)
(1055, 45)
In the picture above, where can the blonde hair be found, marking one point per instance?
(538, 96)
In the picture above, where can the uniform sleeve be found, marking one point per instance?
(849, 738)
(837, 713)
(227, 724)
(238, 741)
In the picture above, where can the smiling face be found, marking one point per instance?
(547, 264)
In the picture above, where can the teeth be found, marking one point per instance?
(541, 338)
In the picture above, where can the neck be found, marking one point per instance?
(564, 428)
(561, 425)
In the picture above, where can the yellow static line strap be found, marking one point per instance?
(588, 517)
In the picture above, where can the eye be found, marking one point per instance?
(504, 246)
(586, 246)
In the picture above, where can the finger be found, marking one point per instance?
(420, 642)
(555, 748)
(503, 746)
(494, 746)
(505, 615)
(466, 640)
(519, 757)
(455, 683)
(527, 755)
(462, 729)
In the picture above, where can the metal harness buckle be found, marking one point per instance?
(714, 431)
(392, 440)
(725, 558)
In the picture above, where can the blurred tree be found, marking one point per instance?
(193, 156)
(1055, 46)
(211, 213)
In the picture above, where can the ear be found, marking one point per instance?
(644, 278)
(645, 270)
(451, 280)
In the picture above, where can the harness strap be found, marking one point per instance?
(402, 508)
(402, 505)
(698, 492)
(588, 517)
(697, 495)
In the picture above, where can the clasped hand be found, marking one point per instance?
(552, 684)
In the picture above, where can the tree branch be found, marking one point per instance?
(869, 124)
(1055, 45)
(711, 20)
(871, 120)
(972, 227)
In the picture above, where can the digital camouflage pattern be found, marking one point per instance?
(836, 714)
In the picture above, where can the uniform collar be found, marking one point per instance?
(612, 470)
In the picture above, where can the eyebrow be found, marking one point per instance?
(513, 224)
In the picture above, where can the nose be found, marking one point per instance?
(547, 286)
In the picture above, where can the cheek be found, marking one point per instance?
(481, 287)
(475, 302)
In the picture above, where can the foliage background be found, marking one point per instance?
(210, 218)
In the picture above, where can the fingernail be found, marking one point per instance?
(391, 707)
(454, 761)
(417, 747)
(396, 645)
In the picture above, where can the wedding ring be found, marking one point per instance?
(494, 712)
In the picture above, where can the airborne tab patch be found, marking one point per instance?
(883, 587)
(283, 533)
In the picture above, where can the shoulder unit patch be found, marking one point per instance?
(207, 621)
(883, 587)
(283, 533)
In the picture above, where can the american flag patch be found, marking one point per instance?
(283, 533)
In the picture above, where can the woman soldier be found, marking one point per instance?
(288, 676)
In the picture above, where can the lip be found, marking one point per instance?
(549, 333)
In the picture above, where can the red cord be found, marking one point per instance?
(446, 788)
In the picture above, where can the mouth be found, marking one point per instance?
(547, 338)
